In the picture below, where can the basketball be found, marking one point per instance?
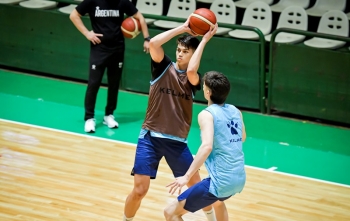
(201, 20)
(131, 27)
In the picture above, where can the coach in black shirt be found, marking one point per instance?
(106, 51)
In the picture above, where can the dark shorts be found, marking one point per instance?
(198, 196)
(150, 150)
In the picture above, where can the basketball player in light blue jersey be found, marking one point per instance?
(222, 134)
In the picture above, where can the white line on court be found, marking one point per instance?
(272, 169)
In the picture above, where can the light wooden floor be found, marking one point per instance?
(50, 175)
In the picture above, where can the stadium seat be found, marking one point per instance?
(10, 2)
(178, 9)
(153, 7)
(245, 3)
(225, 11)
(207, 1)
(334, 22)
(67, 9)
(38, 4)
(293, 17)
(258, 14)
(282, 4)
(323, 6)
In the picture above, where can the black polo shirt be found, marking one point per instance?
(106, 18)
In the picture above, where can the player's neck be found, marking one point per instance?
(210, 103)
(182, 67)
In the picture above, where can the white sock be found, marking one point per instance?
(127, 219)
(210, 215)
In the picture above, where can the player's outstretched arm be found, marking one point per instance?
(194, 63)
(206, 124)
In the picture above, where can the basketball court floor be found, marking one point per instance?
(51, 170)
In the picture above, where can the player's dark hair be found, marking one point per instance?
(219, 86)
(188, 41)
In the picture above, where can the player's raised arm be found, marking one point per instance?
(194, 63)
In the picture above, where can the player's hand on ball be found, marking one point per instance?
(93, 37)
(211, 32)
(187, 29)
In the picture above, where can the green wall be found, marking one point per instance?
(43, 41)
(46, 41)
(305, 81)
(311, 82)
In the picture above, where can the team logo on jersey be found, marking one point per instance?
(106, 13)
(174, 93)
(233, 126)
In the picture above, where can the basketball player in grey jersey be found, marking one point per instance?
(169, 114)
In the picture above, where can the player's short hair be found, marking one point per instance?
(219, 86)
(188, 41)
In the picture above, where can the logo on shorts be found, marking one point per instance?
(93, 67)
(233, 126)
(120, 64)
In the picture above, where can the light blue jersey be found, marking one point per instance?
(225, 163)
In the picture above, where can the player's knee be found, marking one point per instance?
(92, 88)
(140, 192)
(168, 214)
(220, 209)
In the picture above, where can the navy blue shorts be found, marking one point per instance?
(150, 150)
(198, 196)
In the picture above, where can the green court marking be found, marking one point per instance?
(293, 146)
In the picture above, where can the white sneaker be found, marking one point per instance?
(110, 122)
(90, 125)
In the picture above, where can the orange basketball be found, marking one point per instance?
(131, 27)
(201, 20)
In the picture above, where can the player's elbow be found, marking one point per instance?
(193, 77)
(139, 17)
(244, 136)
(191, 71)
(73, 15)
(207, 148)
(152, 43)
